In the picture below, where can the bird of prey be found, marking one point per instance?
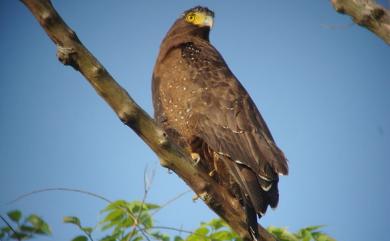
(201, 104)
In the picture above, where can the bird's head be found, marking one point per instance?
(199, 16)
(195, 22)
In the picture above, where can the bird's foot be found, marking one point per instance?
(163, 162)
(195, 158)
(195, 197)
(204, 196)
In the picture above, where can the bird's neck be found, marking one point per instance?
(176, 37)
(188, 32)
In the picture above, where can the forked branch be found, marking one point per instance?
(70, 51)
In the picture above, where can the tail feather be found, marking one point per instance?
(273, 195)
(251, 220)
(257, 193)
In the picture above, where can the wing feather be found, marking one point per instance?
(229, 122)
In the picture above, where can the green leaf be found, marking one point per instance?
(313, 228)
(217, 223)
(107, 226)
(306, 235)
(45, 229)
(73, 220)
(160, 236)
(80, 238)
(146, 220)
(318, 236)
(120, 221)
(282, 234)
(178, 238)
(20, 236)
(114, 215)
(108, 238)
(115, 205)
(87, 230)
(202, 231)
(135, 207)
(221, 235)
(125, 223)
(194, 237)
(5, 229)
(14, 215)
(152, 206)
(139, 238)
(27, 229)
(275, 230)
(41, 226)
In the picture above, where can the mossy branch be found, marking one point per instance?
(70, 51)
(367, 13)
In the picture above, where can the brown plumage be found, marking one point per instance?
(201, 104)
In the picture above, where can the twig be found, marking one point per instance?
(172, 228)
(89, 236)
(8, 224)
(169, 202)
(180, 230)
(77, 191)
(337, 26)
(143, 232)
(58, 189)
(147, 185)
(70, 190)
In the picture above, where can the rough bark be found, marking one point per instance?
(70, 51)
(367, 13)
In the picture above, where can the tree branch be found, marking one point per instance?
(367, 13)
(70, 51)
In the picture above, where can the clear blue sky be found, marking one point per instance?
(322, 85)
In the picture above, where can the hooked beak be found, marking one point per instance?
(209, 21)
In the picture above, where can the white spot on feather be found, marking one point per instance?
(262, 214)
(239, 162)
(237, 132)
(223, 154)
(264, 178)
(266, 188)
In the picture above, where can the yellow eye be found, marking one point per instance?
(190, 17)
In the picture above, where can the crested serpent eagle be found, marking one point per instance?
(201, 104)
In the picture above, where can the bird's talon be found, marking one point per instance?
(195, 197)
(204, 196)
(212, 173)
(195, 158)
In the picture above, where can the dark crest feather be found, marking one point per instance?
(200, 9)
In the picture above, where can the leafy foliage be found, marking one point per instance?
(125, 221)
(305, 234)
(133, 221)
(19, 228)
(214, 230)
